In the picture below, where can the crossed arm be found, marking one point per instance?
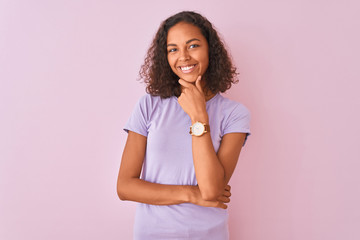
(131, 187)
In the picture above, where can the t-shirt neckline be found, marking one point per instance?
(211, 99)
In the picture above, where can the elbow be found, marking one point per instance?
(121, 191)
(121, 195)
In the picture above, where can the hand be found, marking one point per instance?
(220, 203)
(226, 194)
(192, 100)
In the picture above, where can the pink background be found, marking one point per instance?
(68, 73)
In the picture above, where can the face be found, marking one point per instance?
(187, 51)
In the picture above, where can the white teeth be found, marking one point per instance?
(187, 68)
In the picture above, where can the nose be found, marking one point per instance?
(184, 55)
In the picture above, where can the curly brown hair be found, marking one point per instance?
(156, 71)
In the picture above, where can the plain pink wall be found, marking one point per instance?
(68, 73)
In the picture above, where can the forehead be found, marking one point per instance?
(182, 31)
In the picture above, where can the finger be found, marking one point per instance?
(185, 83)
(198, 84)
(227, 187)
(224, 199)
(222, 205)
(227, 194)
(184, 90)
(219, 204)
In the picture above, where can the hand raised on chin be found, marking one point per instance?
(192, 100)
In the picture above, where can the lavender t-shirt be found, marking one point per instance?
(168, 160)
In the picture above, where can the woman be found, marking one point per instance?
(183, 191)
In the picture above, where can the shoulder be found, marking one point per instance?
(149, 101)
(236, 117)
(230, 106)
(149, 104)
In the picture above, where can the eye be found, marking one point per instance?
(194, 45)
(172, 50)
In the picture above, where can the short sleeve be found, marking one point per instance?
(138, 121)
(238, 121)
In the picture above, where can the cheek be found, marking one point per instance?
(203, 56)
(205, 61)
(170, 61)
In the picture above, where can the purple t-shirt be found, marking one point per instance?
(168, 160)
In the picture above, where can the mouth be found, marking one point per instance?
(187, 68)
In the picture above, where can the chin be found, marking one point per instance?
(189, 78)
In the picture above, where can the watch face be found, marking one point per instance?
(198, 129)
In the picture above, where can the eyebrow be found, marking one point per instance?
(187, 42)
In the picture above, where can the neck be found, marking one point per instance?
(208, 94)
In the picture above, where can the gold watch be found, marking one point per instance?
(198, 129)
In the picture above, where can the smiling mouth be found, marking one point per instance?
(187, 69)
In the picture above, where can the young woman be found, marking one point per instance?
(180, 178)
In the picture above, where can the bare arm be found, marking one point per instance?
(213, 171)
(131, 187)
